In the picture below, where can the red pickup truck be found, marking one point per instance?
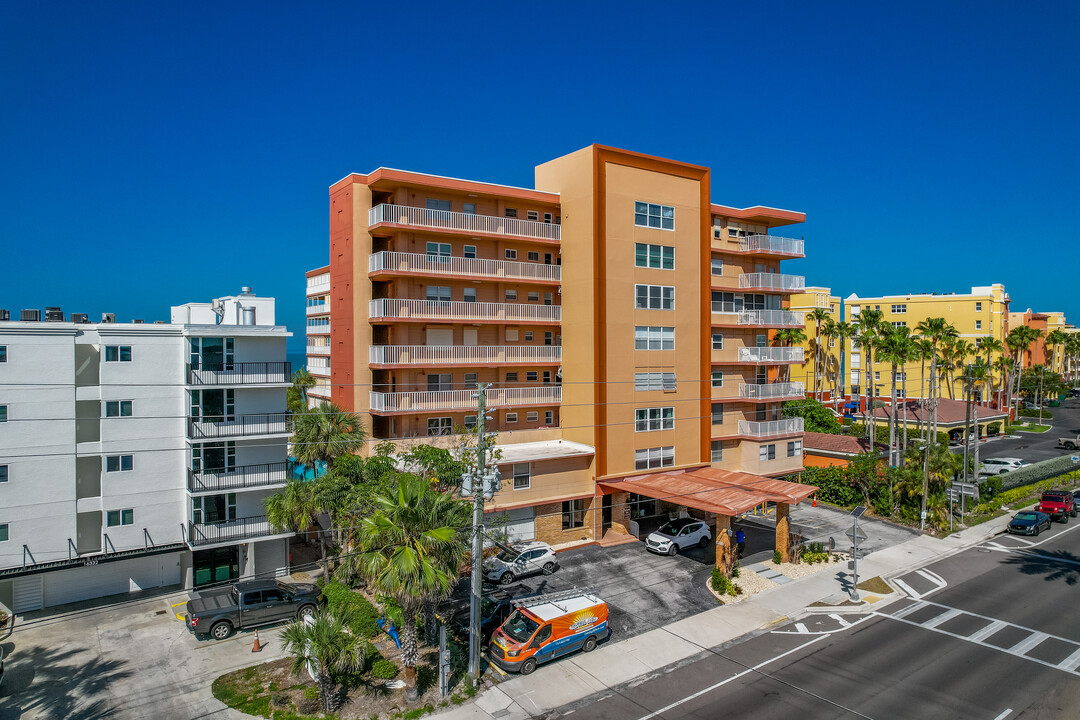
(1058, 504)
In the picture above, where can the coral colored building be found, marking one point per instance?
(620, 317)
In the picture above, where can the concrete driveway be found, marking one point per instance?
(127, 660)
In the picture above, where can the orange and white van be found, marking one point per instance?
(545, 627)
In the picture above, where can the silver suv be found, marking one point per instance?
(519, 560)
(1001, 465)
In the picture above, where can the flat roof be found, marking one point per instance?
(384, 174)
(542, 450)
(551, 610)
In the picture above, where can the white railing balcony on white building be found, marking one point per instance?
(772, 244)
(785, 318)
(239, 426)
(319, 288)
(770, 354)
(459, 311)
(257, 373)
(323, 309)
(765, 391)
(414, 217)
(477, 267)
(438, 355)
(773, 281)
(771, 428)
(449, 400)
(318, 349)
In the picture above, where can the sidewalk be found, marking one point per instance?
(581, 675)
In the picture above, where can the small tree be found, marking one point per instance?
(297, 394)
(326, 646)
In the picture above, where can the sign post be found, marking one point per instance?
(855, 535)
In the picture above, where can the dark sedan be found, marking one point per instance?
(1029, 522)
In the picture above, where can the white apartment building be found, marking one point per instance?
(318, 334)
(137, 455)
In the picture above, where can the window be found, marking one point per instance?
(114, 518)
(900, 323)
(767, 452)
(510, 254)
(532, 215)
(469, 208)
(511, 294)
(511, 377)
(547, 217)
(877, 376)
(3, 532)
(528, 335)
(717, 266)
(534, 297)
(470, 422)
(718, 378)
(547, 298)
(649, 458)
(118, 463)
(511, 417)
(897, 309)
(716, 451)
(117, 353)
(718, 341)
(437, 382)
(470, 251)
(978, 307)
(437, 293)
(733, 232)
(433, 204)
(794, 448)
(314, 322)
(549, 417)
(654, 338)
(511, 212)
(717, 414)
(654, 256)
(470, 380)
(655, 381)
(978, 324)
(3, 413)
(533, 416)
(656, 216)
(118, 408)
(438, 250)
(531, 376)
(534, 256)
(439, 426)
(3, 473)
(655, 297)
(470, 295)
(548, 337)
(573, 514)
(3, 353)
(547, 377)
(649, 419)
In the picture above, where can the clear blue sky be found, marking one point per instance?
(158, 153)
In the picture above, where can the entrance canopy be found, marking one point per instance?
(717, 491)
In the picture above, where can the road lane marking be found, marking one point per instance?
(736, 676)
(842, 621)
(1002, 716)
(801, 628)
(917, 605)
(907, 588)
(1072, 662)
(844, 626)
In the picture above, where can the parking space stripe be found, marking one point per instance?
(1022, 647)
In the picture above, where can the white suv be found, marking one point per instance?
(519, 560)
(678, 535)
(1000, 466)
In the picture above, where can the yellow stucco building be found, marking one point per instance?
(814, 298)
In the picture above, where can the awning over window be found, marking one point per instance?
(718, 491)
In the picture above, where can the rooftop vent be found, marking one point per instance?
(54, 314)
(137, 322)
(30, 315)
(4, 314)
(108, 317)
(80, 318)
(245, 290)
(160, 322)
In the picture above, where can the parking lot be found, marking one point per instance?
(1034, 447)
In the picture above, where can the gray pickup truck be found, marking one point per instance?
(248, 604)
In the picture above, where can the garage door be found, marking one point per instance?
(111, 578)
(514, 525)
(26, 593)
(271, 557)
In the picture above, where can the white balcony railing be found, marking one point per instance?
(770, 390)
(772, 244)
(320, 287)
(404, 215)
(323, 329)
(463, 354)
(785, 318)
(323, 309)
(443, 265)
(393, 309)
(773, 281)
(318, 371)
(318, 349)
(770, 354)
(449, 400)
(771, 428)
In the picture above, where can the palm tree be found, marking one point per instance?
(1054, 339)
(327, 647)
(990, 346)
(1019, 340)
(295, 508)
(818, 315)
(1072, 354)
(408, 549)
(325, 433)
(924, 349)
(869, 323)
(298, 393)
(937, 331)
(1004, 365)
(844, 331)
(893, 347)
(789, 337)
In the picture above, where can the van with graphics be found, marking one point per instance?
(545, 627)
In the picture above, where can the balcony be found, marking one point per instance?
(240, 426)
(462, 400)
(323, 329)
(776, 282)
(769, 391)
(238, 478)
(780, 318)
(318, 349)
(319, 371)
(390, 309)
(394, 263)
(403, 216)
(772, 245)
(321, 287)
(756, 355)
(231, 531)
(441, 355)
(772, 428)
(321, 309)
(265, 373)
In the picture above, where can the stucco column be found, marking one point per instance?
(782, 529)
(724, 555)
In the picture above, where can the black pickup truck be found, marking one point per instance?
(247, 604)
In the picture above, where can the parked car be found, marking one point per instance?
(1029, 522)
(249, 604)
(520, 560)
(1000, 465)
(1074, 392)
(547, 627)
(1069, 443)
(495, 607)
(1058, 504)
(678, 535)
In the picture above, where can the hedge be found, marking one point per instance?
(1044, 413)
(1037, 472)
(339, 595)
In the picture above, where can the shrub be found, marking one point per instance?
(384, 670)
(311, 693)
(989, 488)
(735, 569)
(777, 557)
(338, 595)
(1044, 413)
(993, 429)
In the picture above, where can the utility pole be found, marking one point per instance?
(481, 485)
(968, 396)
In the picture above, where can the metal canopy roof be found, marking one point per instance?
(719, 491)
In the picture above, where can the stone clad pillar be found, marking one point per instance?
(783, 529)
(724, 554)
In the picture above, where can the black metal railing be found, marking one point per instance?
(230, 530)
(248, 373)
(244, 476)
(218, 426)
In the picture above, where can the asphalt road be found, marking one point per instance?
(989, 634)
(1034, 447)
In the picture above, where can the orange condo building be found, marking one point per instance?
(623, 320)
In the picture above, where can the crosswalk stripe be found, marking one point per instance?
(1071, 663)
(1029, 643)
(800, 627)
(942, 618)
(917, 605)
(987, 631)
(842, 621)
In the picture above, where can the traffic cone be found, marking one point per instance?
(256, 647)
(815, 501)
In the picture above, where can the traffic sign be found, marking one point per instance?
(852, 535)
(970, 490)
(1075, 459)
